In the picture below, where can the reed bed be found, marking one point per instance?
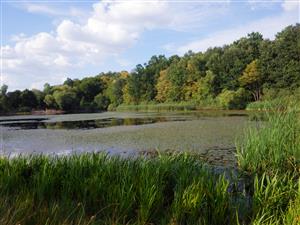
(274, 146)
(271, 154)
(99, 189)
(158, 107)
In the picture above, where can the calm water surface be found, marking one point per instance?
(211, 133)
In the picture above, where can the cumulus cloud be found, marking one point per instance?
(110, 28)
(50, 9)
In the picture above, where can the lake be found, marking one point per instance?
(210, 133)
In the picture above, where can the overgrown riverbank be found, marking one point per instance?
(165, 189)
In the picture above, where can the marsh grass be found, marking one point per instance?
(281, 104)
(272, 146)
(173, 188)
(99, 189)
(271, 154)
(158, 107)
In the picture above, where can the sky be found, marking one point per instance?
(49, 41)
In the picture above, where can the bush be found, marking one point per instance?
(111, 107)
(101, 101)
(233, 99)
(24, 109)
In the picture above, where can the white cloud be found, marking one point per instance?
(258, 4)
(290, 5)
(287, 5)
(268, 27)
(54, 9)
(42, 8)
(110, 28)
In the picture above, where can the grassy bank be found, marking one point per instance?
(281, 103)
(271, 154)
(176, 189)
(274, 146)
(172, 106)
(158, 107)
(97, 189)
(166, 189)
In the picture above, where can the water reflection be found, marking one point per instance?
(87, 124)
(92, 121)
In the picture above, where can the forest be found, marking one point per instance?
(251, 69)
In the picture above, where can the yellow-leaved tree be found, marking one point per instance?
(251, 80)
(163, 87)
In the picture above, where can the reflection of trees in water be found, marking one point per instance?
(90, 124)
(130, 121)
(115, 122)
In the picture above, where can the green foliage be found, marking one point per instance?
(179, 106)
(47, 89)
(90, 87)
(166, 189)
(98, 189)
(69, 82)
(14, 99)
(163, 87)
(279, 59)
(28, 99)
(134, 84)
(86, 106)
(273, 146)
(66, 100)
(101, 101)
(50, 101)
(177, 73)
(277, 99)
(233, 99)
(115, 91)
(252, 80)
(3, 89)
(273, 197)
(40, 96)
(204, 87)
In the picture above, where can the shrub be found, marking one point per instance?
(233, 99)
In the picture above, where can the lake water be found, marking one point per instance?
(210, 133)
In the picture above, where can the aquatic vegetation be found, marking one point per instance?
(156, 107)
(271, 154)
(99, 189)
(172, 130)
(274, 146)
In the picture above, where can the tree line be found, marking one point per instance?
(250, 69)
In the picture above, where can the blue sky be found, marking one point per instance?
(48, 41)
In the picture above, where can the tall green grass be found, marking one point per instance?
(168, 189)
(272, 146)
(271, 154)
(267, 105)
(280, 103)
(98, 189)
